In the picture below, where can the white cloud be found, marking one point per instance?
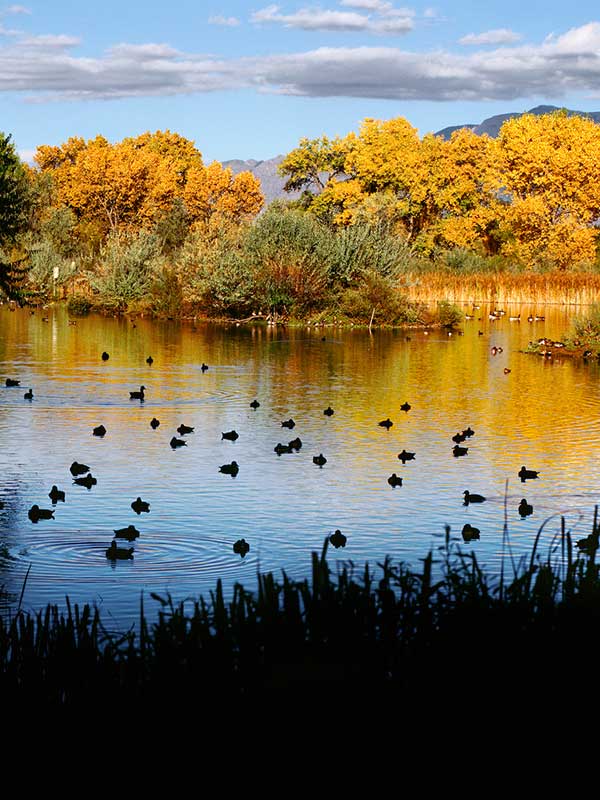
(45, 68)
(219, 19)
(318, 19)
(26, 156)
(16, 10)
(497, 36)
(367, 5)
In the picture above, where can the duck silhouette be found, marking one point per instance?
(12, 382)
(295, 444)
(36, 513)
(473, 498)
(105, 356)
(241, 547)
(405, 456)
(282, 448)
(319, 460)
(99, 431)
(28, 395)
(459, 437)
(78, 469)
(525, 509)
(204, 367)
(385, 423)
(154, 423)
(140, 505)
(231, 435)
(468, 432)
(175, 442)
(329, 412)
(182, 430)
(230, 469)
(88, 481)
(394, 480)
(137, 395)
(527, 474)
(114, 553)
(405, 407)
(149, 361)
(288, 423)
(338, 539)
(459, 451)
(255, 404)
(55, 495)
(130, 533)
(589, 544)
(469, 533)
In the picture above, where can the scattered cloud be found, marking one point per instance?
(497, 36)
(44, 68)
(16, 10)
(385, 19)
(219, 19)
(26, 156)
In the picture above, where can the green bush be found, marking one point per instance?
(588, 327)
(378, 298)
(448, 314)
(128, 266)
(78, 305)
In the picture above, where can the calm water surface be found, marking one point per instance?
(545, 415)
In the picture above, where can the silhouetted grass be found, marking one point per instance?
(412, 636)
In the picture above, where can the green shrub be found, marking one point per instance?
(378, 298)
(588, 327)
(448, 314)
(78, 305)
(128, 266)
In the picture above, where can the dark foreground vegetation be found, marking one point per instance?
(415, 638)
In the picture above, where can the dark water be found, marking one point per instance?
(545, 415)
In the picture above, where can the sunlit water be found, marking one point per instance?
(545, 415)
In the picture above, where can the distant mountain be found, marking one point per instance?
(492, 125)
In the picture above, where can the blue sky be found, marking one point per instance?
(247, 80)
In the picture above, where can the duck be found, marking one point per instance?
(527, 474)
(468, 432)
(405, 407)
(175, 442)
(241, 547)
(78, 469)
(105, 356)
(55, 495)
(329, 412)
(28, 395)
(149, 361)
(473, 498)
(385, 423)
(36, 513)
(469, 533)
(288, 423)
(507, 371)
(494, 350)
(12, 382)
(99, 431)
(140, 505)
(154, 423)
(530, 318)
(525, 509)
(204, 367)
(515, 319)
(405, 456)
(589, 544)
(459, 451)
(230, 469)
(230, 435)
(459, 437)
(182, 430)
(394, 480)
(88, 481)
(137, 395)
(113, 552)
(295, 444)
(255, 404)
(338, 539)
(282, 448)
(130, 533)
(319, 460)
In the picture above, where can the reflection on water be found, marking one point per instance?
(544, 415)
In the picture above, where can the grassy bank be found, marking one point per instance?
(403, 635)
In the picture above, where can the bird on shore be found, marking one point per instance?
(105, 356)
(469, 533)
(288, 423)
(154, 423)
(78, 469)
(149, 361)
(88, 481)
(130, 533)
(319, 460)
(385, 423)
(28, 395)
(113, 553)
(56, 495)
(329, 412)
(255, 404)
(140, 505)
(230, 435)
(473, 498)
(99, 431)
(137, 395)
(394, 480)
(525, 509)
(175, 442)
(459, 451)
(338, 539)
(182, 430)
(12, 382)
(241, 547)
(230, 469)
(405, 407)
(36, 513)
(527, 474)
(405, 456)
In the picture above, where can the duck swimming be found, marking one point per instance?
(527, 474)
(36, 513)
(405, 407)
(113, 552)
(99, 431)
(394, 480)
(282, 448)
(295, 444)
(472, 498)
(288, 423)
(78, 469)
(385, 423)
(459, 437)
(230, 435)
(183, 429)
(329, 412)
(175, 442)
(130, 533)
(55, 495)
(12, 382)
(241, 547)
(105, 356)
(204, 367)
(338, 539)
(405, 456)
(137, 395)
(525, 509)
(230, 469)
(140, 505)
(468, 432)
(88, 481)
(149, 361)
(319, 460)
(459, 451)
(28, 395)
(469, 533)
(154, 423)
(255, 404)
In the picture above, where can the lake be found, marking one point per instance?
(543, 414)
